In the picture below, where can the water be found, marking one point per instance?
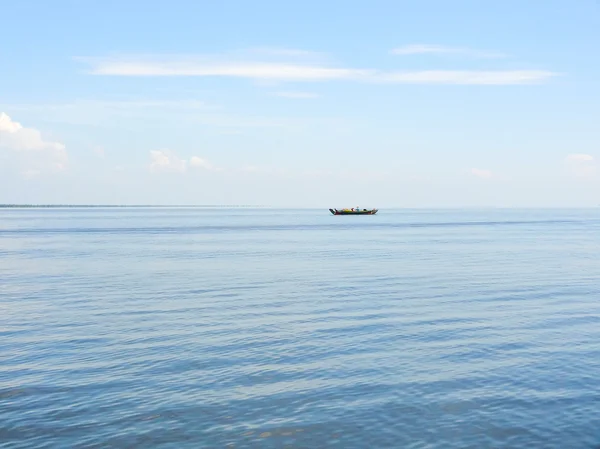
(219, 328)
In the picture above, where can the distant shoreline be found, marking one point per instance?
(246, 206)
(105, 206)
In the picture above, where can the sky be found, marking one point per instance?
(424, 103)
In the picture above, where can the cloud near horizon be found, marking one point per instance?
(292, 69)
(168, 161)
(198, 162)
(38, 154)
(581, 165)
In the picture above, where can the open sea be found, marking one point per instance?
(266, 328)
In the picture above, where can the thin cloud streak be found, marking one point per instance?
(16, 138)
(276, 71)
(263, 71)
(472, 77)
(168, 161)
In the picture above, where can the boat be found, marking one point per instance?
(353, 211)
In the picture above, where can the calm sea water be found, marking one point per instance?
(219, 328)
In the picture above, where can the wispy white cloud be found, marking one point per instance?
(468, 77)
(15, 136)
(7, 125)
(297, 95)
(39, 152)
(482, 173)
(295, 71)
(419, 49)
(581, 165)
(198, 162)
(256, 70)
(166, 161)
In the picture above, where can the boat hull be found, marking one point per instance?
(353, 212)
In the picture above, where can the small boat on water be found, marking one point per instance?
(353, 211)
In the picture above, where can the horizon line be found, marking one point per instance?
(224, 206)
(17, 205)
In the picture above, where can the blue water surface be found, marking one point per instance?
(263, 328)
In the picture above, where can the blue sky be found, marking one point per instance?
(326, 104)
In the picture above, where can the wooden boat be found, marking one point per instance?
(353, 211)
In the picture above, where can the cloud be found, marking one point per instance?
(299, 71)
(7, 125)
(166, 161)
(199, 67)
(15, 136)
(467, 77)
(28, 143)
(296, 95)
(197, 162)
(419, 49)
(481, 173)
(581, 165)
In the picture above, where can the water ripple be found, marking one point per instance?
(275, 329)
